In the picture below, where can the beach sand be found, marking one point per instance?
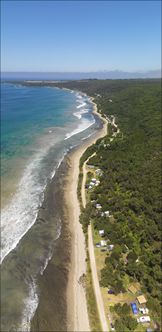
(77, 308)
(62, 299)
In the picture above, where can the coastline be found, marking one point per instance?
(62, 302)
(77, 311)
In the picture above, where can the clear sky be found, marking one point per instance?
(80, 35)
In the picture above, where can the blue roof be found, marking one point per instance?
(134, 308)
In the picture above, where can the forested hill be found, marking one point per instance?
(130, 187)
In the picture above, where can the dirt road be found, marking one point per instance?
(96, 285)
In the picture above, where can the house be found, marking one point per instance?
(98, 206)
(141, 299)
(93, 180)
(144, 311)
(144, 319)
(98, 171)
(91, 166)
(92, 184)
(103, 243)
(101, 232)
(132, 289)
(110, 247)
(107, 213)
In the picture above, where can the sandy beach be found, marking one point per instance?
(77, 308)
(62, 300)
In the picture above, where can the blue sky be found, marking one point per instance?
(80, 35)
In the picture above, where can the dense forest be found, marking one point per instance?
(130, 185)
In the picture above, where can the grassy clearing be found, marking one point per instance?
(91, 301)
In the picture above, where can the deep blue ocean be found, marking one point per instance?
(39, 125)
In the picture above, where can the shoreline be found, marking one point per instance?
(62, 302)
(77, 310)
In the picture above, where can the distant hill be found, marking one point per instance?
(115, 74)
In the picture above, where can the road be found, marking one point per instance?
(96, 285)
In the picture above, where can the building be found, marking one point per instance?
(110, 247)
(144, 319)
(144, 311)
(132, 289)
(91, 166)
(134, 308)
(101, 232)
(103, 243)
(107, 213)
(141, 299)
(98, 206)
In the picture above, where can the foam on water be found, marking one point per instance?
(79, 114)
(81, 111)
(84, 138)
(81, 105)
(81, 127)
(30, 306)
(59, 163)
(18, 217)
(50, 253)
(21, 213)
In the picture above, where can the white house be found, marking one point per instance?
(144, 311)
(144, 319)
(98, 206)
(107, 213)
(103, 243)
(101, 232)
(110, 247)
(98, 171)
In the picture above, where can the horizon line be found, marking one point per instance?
(86, 71)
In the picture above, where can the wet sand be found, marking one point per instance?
(62, 299)
(51, 314)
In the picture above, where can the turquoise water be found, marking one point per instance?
(27, 113)
(39, 125)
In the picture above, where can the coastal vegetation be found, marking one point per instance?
(130, 187)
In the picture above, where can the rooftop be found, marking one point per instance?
(141, 299)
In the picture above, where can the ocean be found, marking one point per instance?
(39, 126)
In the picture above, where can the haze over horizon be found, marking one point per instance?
(91, 36)
(116, 74)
